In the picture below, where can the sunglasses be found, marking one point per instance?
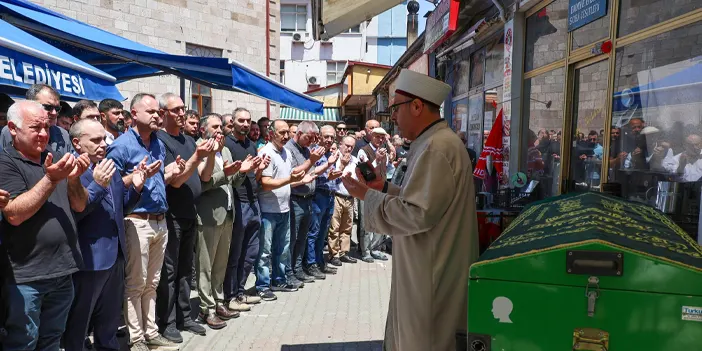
(51, 108)
(340, 129)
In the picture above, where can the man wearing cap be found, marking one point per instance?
(381, 158)
(431, 218)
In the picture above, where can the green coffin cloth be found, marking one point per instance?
(577, 218)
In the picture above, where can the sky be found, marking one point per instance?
(424, 6)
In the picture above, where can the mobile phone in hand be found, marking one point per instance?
(367, 171)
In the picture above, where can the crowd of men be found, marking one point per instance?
(102, 204)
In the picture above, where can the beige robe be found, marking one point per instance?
(433, 224)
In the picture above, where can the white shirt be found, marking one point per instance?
(350, 169)
(109, 138)
(692, 172)
(220, 163)
(362, 157)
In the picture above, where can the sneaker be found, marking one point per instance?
(379, 255)
(335, 262)
(283, 286)
(328, 270)
(301, 276)
(239, 305)
(347, 259)
(295, 282)
(172, 334)
(267, 295)
(191, 326)
(315, 272)
(251, 300)
(139, 346)
(368, 259)
(161, 343)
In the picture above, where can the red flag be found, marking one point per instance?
(493, 148)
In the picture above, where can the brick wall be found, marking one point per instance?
(237, 27)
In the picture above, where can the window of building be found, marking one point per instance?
(657, 111)
(477, 68)
(335, 71)
(543, 112)
(591, 32)
(547, 31)
(461, 72)
(635, 15)
(201, 95)
(293, 18)
(494, 63)
(282, 71)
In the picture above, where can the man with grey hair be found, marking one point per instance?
(302, 194)
(342, 218)
(39, 223)
(322, 202)
(182, 192)
(219, 173)
(48, 98)
(145, 227)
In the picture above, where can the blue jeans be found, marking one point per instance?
(36, 313)
(302, 216)
(273, 251)
(322, 211)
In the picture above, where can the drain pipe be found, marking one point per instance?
(268, 51)
(501, 9)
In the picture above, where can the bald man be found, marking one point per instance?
(366, 136)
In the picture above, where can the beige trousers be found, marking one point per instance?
(340, 228)
(212, 252)
(146, 245)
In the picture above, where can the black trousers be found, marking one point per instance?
(97, 302)
(173, 292)
(243, 250)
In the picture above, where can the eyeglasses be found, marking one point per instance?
(51, 108)
(395, 107)
(93, 117)
(340, 129)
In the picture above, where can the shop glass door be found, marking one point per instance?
(588, 115)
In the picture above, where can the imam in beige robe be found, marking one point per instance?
(433, 224)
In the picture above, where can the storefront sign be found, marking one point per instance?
(20, 70)
(507, 96)
(582, 12)
(441, 24)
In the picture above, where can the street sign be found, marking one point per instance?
(582, 12)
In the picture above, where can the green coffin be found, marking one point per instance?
(587, 272)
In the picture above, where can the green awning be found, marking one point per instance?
(331, 114)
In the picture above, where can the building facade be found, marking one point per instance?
(237, 30)
(307, 64)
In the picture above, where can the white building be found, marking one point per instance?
(306, 64)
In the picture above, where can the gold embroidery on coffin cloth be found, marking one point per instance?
(573, 218)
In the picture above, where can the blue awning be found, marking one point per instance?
(126, 59)
(25, 60)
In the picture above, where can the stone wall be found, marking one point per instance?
(236, 27)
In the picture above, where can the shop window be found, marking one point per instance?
(461, 71)
(201, 95)
(477, 68)
(657, 113)
(591, 32)
(494, 63)
(335, 71)
(293, 18)
(543, 114)
(635, 15)
(459, 122)
(546, 36)
(474, 130)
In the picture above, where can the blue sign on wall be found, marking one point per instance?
(582, 12)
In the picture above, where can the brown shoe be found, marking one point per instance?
(225, 313)
(213, 321)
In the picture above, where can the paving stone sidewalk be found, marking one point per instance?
(345, 312)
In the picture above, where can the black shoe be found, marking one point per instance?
(335, 262)
(267, 295)
(301, 276)
(194, 328)
(314, 271)
(172, 334)
(347, 259)
(295, 282)
(328, 270)
(285, 287)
